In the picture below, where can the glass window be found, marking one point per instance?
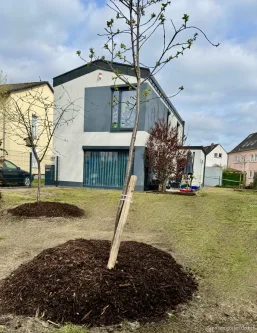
(215, 155)
(115, 109)
(123, 109)
(34, 125)
(128, 109)
(9, 165)
(252, 158)
(220, 155)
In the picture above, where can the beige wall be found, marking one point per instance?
(245, 162)
(15, 133)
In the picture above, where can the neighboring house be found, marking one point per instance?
(96, 146)
(11, 134)
(244, 157)
(199, 159)
(216, 156)
(208, 162)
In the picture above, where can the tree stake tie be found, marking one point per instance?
(125, 196)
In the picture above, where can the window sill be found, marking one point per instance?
(113, 130)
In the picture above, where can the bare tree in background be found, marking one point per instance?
(20, 112)
(3, 152)
(136, 22)
(163, 155)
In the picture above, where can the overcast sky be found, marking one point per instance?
(219, 104)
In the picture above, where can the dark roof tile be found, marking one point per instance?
(208, 149)
(14, 87)
(249, 143)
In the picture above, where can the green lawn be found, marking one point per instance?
(215, 233)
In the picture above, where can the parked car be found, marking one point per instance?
(11, 174)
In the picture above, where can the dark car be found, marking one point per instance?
(11, 174)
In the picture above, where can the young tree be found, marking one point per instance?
(163, 155)
(29, 120)
(3, 152)
(126, 40)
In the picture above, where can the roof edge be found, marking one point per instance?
(40, 83)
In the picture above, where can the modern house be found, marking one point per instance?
(12, 134)
(216, 155)
(244, 157)
(93, 149)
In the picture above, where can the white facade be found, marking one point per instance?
(217, 157)
(70, 139)
(199, 161)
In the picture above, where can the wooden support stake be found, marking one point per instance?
(123, 219)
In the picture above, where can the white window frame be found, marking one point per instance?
(34, 161)
(34, 126)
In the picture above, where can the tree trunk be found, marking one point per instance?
(163, 186)
(131, 154)
(39, 181)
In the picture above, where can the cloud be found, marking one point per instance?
(219, 103)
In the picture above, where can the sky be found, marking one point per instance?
(39, 40)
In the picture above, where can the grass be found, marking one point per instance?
(70, 329)
(214, 233)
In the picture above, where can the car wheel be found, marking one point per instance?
(26, 181)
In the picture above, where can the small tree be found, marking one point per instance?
(163, 155)
(136, 22)
(3, 152)
(32, 118)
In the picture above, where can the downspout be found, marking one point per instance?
(4, 133)
(204, 166)
(183, 133)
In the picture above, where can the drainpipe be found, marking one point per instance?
(204, 167)
(4, 133)
(183, 133)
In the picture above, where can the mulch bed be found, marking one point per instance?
(70, 283)
(190, 194)
(48, 209)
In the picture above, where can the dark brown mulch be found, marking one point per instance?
(70, 283)
(174, 193)
(48, 209)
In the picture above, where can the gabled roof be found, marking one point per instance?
(249, 143)
(123, 69)
(208, 149)
(15, 87)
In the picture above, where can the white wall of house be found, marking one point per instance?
(70, 138)
(199, 160)
(218, 156)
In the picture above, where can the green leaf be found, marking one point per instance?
(181, 88)
(185, 18)
(78, 53)
(110, 23)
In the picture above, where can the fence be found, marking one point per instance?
(213, 176)
(232, 179)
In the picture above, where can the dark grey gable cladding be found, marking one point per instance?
(124, 69)
(97, 114)
(96, 65)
